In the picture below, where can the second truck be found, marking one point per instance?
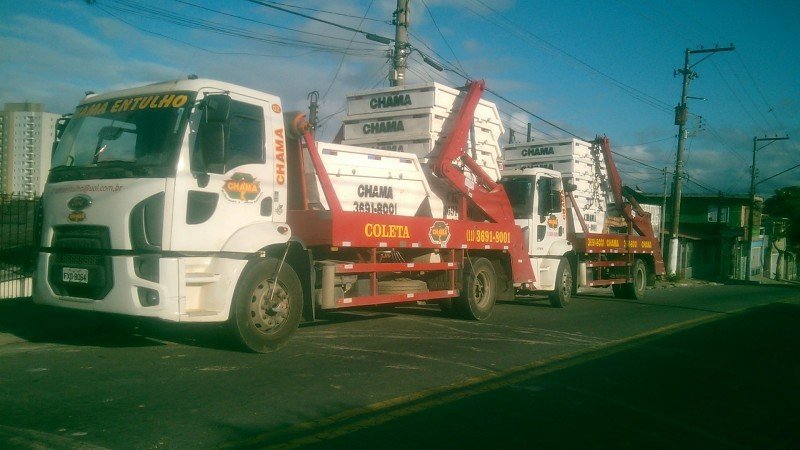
(201, 201)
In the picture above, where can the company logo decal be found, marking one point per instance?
(538, 151)
(276, 108)
(280, 157)
(388, 126)
(158, 101)
(77, 216)
(390, 101)
(439, 232)
(242, 187)
(552, 221)
(79, 202)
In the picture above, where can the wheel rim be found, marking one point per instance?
(268, 311)
(639, 279)
(566, 285)
(481, 288)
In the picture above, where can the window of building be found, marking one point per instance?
(714, 211)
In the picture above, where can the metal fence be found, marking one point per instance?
(20, 228)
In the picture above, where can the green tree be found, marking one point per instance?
(786, 203)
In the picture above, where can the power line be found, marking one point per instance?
(317, 19)
(528, 35)
(648, 142)
(779, 173)
(341, 60)
(770, 109)
(139, 9)
(305, 8)
(433, 20)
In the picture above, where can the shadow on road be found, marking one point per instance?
(37, 323)
(729, 382)
(43, 324)
(654, 299)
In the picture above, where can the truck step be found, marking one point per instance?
(201, 278)
(201, 313)
(607, 282)
(395, 298)
(607, 264)
(394, 267)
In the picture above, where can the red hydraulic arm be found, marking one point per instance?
(641, 220)
(484, 193)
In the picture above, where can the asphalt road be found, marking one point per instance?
(694, 367)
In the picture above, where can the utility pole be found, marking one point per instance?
(397, 75)
(751, 212)
(681, 111)
(662, 222)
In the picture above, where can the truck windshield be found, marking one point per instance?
(520, 193)
(125, 137)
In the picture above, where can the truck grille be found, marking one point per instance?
(81, 249)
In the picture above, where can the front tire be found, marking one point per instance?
(562, 294)
(267, 306)
(479, 291)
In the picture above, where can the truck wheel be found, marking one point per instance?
(635, 289)
(562, 294)
(479, 291)
(267, 306)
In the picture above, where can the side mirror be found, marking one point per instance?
(61, 125)
(109, 133)
(211, 146)
(569, 187)
(217, 108)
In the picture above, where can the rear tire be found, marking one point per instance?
(479, 290)
(562, 294)
(635, 289)
(267, 306)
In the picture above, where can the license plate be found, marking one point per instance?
(73, 275)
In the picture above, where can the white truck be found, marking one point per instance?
(200, 201)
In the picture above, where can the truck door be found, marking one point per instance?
(225, 180)
(548, 222)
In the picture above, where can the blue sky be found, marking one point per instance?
(599, 67)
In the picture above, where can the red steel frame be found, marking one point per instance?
(618, 249)
(339, 229)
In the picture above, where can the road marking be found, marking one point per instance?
(346, 422)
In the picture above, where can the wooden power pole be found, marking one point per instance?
(681, 111)
(397, 76)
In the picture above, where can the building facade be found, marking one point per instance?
(27, 133)
(713, 236)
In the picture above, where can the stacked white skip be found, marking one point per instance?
(389, 137)
(416, 119)
(580, 163)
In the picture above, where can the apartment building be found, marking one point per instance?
(27, 133)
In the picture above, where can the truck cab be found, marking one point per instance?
(537, 198)
(157, 195)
